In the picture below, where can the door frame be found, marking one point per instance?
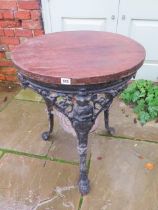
(46, 17)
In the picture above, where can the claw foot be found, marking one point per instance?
(111, 131)
(45, 136)
(84, 186)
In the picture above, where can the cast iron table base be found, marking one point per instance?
(81, 104)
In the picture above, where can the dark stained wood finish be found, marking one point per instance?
(85, 57)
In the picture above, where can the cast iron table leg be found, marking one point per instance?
(109, 129)
(82, 150)
(82, 121)
(46, 134)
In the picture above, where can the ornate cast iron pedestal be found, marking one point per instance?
(81, 104)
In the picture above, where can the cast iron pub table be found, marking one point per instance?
(78, 73)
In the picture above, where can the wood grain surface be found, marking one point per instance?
(83, 57)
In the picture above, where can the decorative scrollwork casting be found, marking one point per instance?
(81, 107)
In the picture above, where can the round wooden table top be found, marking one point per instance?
(78, 57)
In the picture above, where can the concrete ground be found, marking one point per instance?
(39, 175)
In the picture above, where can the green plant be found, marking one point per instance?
(143, 96)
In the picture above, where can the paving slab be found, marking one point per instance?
(121, 175)
(30, 184)
(7, 93)
(23, 123)
(125, 122)
(64, 146)
(28, 95)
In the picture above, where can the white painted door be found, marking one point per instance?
(68, 15)
(138, 19)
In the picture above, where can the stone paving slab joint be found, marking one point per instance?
(43, 157)
(1, 154)
(123, 138)
(80, 203)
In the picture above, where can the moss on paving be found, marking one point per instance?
(120, 138)
(88, 164)
(80, 203)
(1, 154)
(64, 161)
(28, 95)
(42, 157)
